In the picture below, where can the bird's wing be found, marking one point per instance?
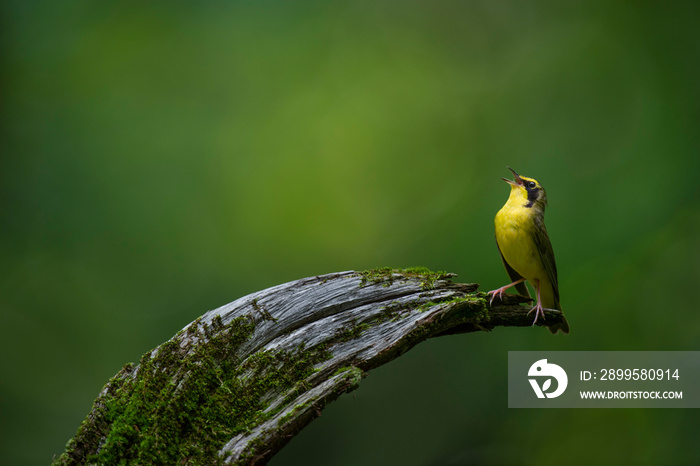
(514, 276)
(544, 248)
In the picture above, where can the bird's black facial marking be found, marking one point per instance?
(533, 193)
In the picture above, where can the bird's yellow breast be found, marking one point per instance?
(515, 236)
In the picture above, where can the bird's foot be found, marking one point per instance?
(539, 311)
(497, 292)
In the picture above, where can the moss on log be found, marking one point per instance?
(235, 385)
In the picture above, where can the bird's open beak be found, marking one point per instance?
(518, 181)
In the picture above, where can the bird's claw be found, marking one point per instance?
(539, 311)
(497, 292)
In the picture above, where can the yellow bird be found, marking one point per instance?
(525, 248)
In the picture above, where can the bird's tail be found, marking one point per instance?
(562, 326)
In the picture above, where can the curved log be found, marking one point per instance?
(236, 384)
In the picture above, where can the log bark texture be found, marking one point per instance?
(235, 385)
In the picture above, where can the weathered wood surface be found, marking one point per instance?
(304, 343)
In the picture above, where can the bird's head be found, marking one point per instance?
(529, 189)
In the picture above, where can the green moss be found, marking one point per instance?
(356, 374)
(386, 276)
(477, 305)
(294, 411)
(350, 333)
(351, 374)
(425, 306)
(394, 312)
(262, 310)
(185, 401)
(355, 329)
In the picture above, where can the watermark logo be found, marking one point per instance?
(546, 371)
(603, 379)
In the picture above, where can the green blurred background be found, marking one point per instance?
(162, 159)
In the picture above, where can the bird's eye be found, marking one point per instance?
(531, 184)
